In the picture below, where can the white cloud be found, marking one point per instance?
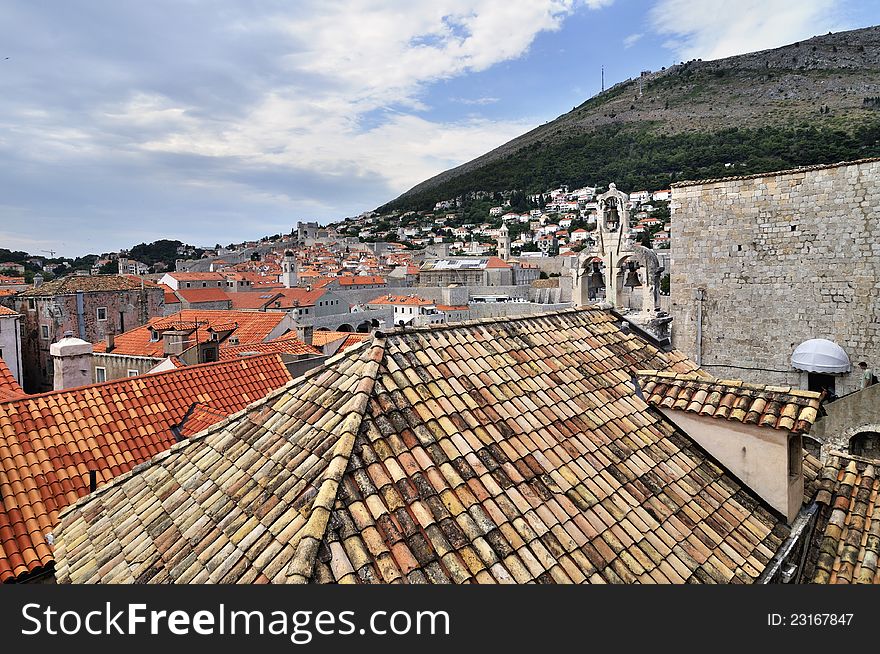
(631, 40)
(307, 109)
(713, 29)
(480, 102)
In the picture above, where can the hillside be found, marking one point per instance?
(810, 102)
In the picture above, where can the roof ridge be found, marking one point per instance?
(398, 331)
(303, 562)
(329, 483)
(150, 375)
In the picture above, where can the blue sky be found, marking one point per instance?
(219, 120)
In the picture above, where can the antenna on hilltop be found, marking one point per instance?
(603, 78)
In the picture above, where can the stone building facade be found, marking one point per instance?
(762, 263)
(89, 307)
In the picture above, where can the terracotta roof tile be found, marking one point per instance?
(365, 280)
(777, 407)
(50, 442)
(248, 326)
(394, 471)
(87, 283)
(9, 387)
(849, 523)
(283, 345)
(203, 295)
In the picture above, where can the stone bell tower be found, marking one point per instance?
(504, 244)
(289, 276)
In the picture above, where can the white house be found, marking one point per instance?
(410, 309)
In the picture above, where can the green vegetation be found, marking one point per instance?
(635, 157)
(161, 251)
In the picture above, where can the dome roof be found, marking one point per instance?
(820, 355)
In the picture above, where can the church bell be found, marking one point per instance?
(632, 276)
(597, 280)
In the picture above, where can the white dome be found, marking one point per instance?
(820, 355)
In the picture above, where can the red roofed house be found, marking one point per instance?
(53, 445)
(191, 336)
(356, 282)
(410, 309)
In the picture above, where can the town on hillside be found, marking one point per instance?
(536, 373)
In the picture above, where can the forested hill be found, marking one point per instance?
(816, 101)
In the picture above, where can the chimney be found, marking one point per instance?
(111, 342)
(72, 361)
(305, 333)
(767, 460)
(173, 342)
(38, 280)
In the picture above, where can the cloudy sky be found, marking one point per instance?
(225, 120)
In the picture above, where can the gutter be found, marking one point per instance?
(806, 518)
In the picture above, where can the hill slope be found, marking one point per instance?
(810, 102)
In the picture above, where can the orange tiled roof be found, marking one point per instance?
(407, 300)
(353, 338)
(9, 387)
(503, 450)
(253, 327)
(198, 418)
(495, 262)
(361, 280)
(88, 284)
(5, 311)
(778, 407)
(849, 522)
(50, 442)
(321, 338)
(197, 276)
(449, 307)
(278, 346)
(203, 295)
(170, 297)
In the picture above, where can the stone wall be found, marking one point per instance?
(125, 310)
(850, 415)
(781, 258)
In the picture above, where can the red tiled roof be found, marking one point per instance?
(6, 311)
(88, 284)
(203, 295)
(495, 262)
(197, 276)
(9, 388)
(407, 300)
(353, 339)
(361, 280)
(200, 417)
(278, 346)
(170, 297)
(252, 299)
(449, 307)
(50, 442)
(253, 327)
(777, 407)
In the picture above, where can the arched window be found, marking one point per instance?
(866, 444)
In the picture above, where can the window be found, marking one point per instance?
(101, 313)
(100, 375)
(32, 304)
(44, 332)
(795, 456)
(133, 373)
(154, 336)
(866, 444)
